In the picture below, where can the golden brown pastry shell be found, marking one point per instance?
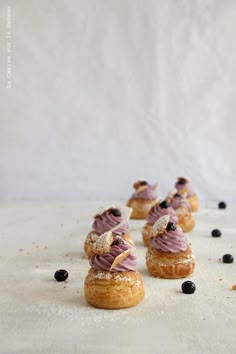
(186, 221)
(170, 265)
(113, 290)
(146, 234)
(141, 207)
(194, 202)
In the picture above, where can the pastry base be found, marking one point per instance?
(170, 265)
(116, 290)
(140, 207)
(146, 234)
(89, 242)
(186, 222)
(194, 202)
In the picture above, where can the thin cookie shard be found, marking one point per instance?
(114, 228)
(171, 193)
(141, 188)
(160, 225)
(125, 212)
(103, 243)
(154, 187)
(158, 201)
(187, 179)
(137, 183)
(120, 258)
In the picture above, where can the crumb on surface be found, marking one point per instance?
(220, 279)
(234, 287)
(20, 249)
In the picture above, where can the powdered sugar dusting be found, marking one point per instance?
(34, 305)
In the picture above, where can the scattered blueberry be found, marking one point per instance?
(61, 275)
(142, 183)
(228, 258)
(170, 226)
(164, 204)
(216, 233)
(115, 212)
(222, 205)
(188, 287)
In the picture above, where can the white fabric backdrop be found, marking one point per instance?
(107, 91)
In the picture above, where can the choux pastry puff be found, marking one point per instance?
(169, 255)
(142, 200)
(112, 281)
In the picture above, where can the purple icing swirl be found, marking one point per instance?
(180, 202)
(171, 241)
(148, 193)
(156, 212)
(105, 261)
(106, 221)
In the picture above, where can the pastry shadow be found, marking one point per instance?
(78, 301)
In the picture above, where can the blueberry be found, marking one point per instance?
(182, 180)
(170, 226)
(164, 204)
(228, 258)
(118, 241)
(142, 183)
(222, 205)
(115, 212)
(216, 233)
(188, 287)
(61, 275)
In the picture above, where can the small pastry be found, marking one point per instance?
(179, 203)
(158, 210)
(113, 282)
(184, 187)
(112, 218)
(169, 254)
(142, 200)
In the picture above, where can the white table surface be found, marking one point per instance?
(40, 315)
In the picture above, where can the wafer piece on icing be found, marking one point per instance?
(125, 212)
(155, 185)
(141, 188)
(120, 258)
(137, 183)
(114, 228)
(103, 243)
(171, 193)
(184, 177)
(160, 225)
